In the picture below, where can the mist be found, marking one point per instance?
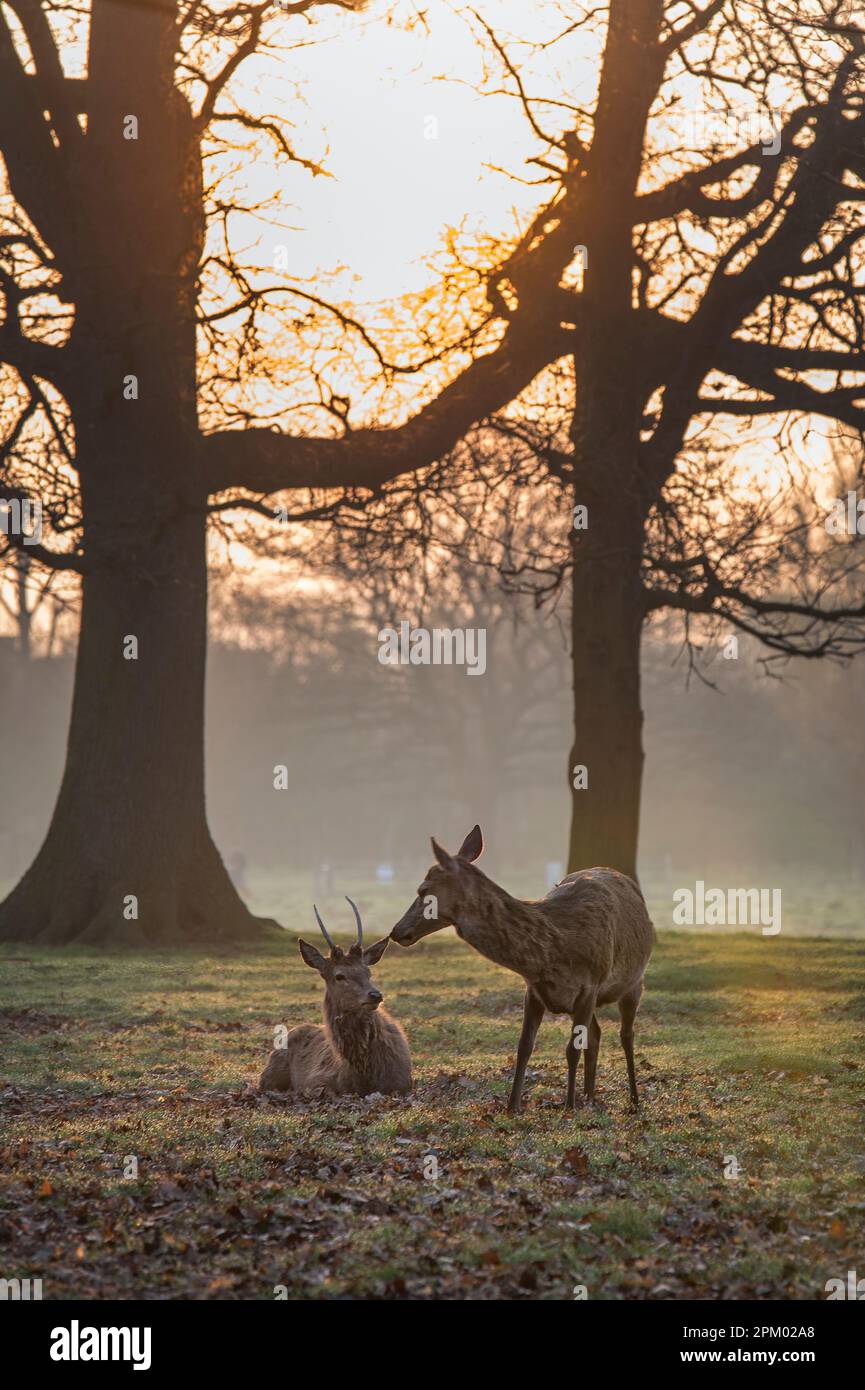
(749, 778)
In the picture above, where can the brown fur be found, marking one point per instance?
(585, 944)
(358, 1049)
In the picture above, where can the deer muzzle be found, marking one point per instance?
(413, 925)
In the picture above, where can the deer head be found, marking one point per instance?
(346, 973)
(448, 886)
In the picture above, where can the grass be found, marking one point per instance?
(750, 1059)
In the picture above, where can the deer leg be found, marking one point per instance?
(533, 1012)
(572, 1053)
(590, 1065)
(582, 1016)
(628, 1005)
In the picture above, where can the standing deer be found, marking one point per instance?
(359, 1048)
(585, 944)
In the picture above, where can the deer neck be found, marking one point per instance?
(506, 930)
(352, 1034)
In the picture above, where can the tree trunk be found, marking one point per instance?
(608, 718)
(128, 855)
(611, 386)
(608, 606)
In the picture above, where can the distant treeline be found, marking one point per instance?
(761, 773)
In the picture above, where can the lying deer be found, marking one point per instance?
(359, 1048)
(585, 944)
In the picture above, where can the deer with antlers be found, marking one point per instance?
(359, 1048)
(585, 944)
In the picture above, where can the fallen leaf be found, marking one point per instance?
(577, 1160)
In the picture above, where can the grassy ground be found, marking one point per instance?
(748, 1048)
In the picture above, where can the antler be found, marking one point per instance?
(323, 928)
(357, 919)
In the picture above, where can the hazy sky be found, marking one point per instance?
(408, 150)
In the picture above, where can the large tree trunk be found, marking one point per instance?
(128, 855)
(608, 718)
(610, 377)
(608, 605)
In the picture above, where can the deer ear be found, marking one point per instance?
(472, 846)
(311, 956)
(445, 859)
(373, 954)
